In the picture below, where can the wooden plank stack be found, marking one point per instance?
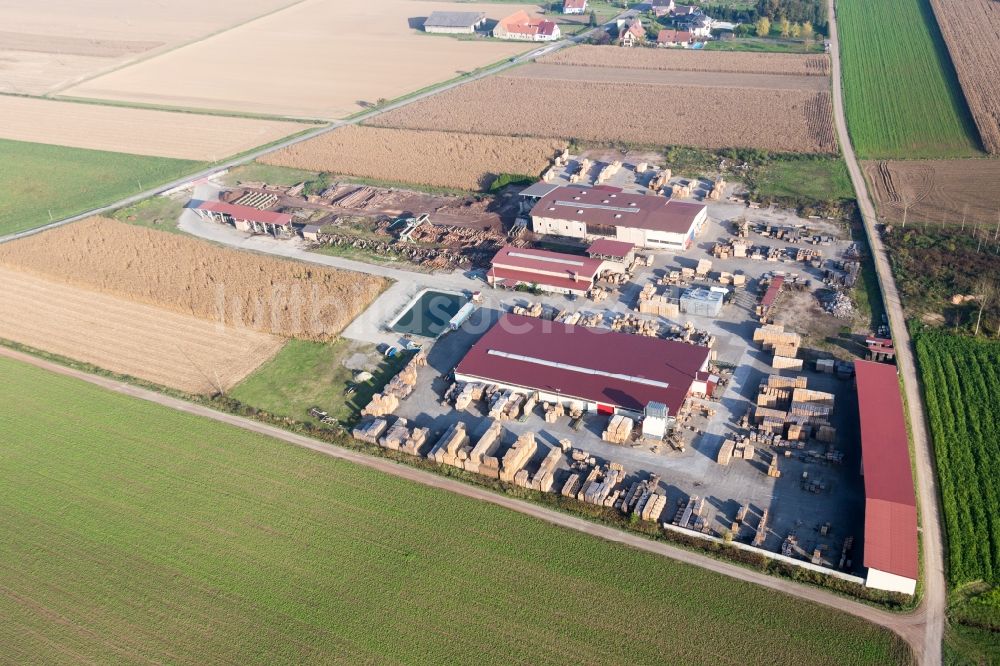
(726, 452)
(369, 430)
(619, 429)
(395, 436)
(518, 456)
(478, 461)
(545, 476)
(446, 449)
(416, 441)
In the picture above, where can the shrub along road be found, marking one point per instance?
(931, 612)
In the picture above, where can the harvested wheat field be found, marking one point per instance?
(692, 61)
(438, 159)
(937, 191)
(317, 59)
(191, 277)
(665, 77)
(631, 113)
(971, 30)
(138, 131)
(48, 44)
(175, 350)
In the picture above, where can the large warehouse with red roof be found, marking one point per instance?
(595, 369)
(891, 550)
(603, 211)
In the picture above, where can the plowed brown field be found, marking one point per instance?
(175, 350)
(670, 77)
(692, 61)
(937, 191)
(790, 121)
(192, 277)
(438, 159)
(971, 29)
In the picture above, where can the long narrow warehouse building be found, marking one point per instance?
(890, 503)
(603, 211)
(553, 272)
(593, 369)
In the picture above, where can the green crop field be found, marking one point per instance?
(901, 93)
(962, 388)
(822, 179)
(40, 183)
(137, 533)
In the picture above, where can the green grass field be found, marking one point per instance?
(308, 374)
(901, 93)
(812, 180)
(137, 533)
(40, 183)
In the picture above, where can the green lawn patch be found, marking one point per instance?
(154, 535)
(156, 213)
(308, 374)
(272, 175)
(901, 92)
(760, 45)
(824, 179)
(42, 183)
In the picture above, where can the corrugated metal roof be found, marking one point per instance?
(454, 19)
(610, 206)
(610, 248)
(890, 502)
(543, 261)
(598, 365)
(246, 213)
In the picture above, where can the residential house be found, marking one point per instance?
(660, 8)
(574, 6)
(699, 25)
(631, 33)
(674, 39)
(520, 26)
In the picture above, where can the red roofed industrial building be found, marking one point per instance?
(553, 272)
(891, 550)
(604, 211)
(592, 369)
(574, 6)
(245, 218)
(521, 26)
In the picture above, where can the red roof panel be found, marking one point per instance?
(511, 277)
(595, 365)
(543, 261)
(610, 248)
(246, 213)
(609, 205)
(890, 502)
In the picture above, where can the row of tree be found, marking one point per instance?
(786, 29)
(794, 11)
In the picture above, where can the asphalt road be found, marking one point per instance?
(909, 627)
(931, 612)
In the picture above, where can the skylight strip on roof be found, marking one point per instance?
(579, 204)
(577, 368)
(553, 260)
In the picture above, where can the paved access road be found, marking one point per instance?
(909, 627)
(931, 612)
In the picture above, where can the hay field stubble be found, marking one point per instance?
(180, 351)
(691, 61)
(189, 276)
(437, 159)
(189, 541)
(304, 61)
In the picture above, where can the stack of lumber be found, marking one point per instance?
(634, 325)
(600, 483)
(608, 171)
(656, 304)
(530, 310)
(553, 411)
(773, 397)
(744, 450)
(717, 189)
(619, 429)
(518, 456)
(826, 434)
(545, 476)
(772, 469)
(395, 436)
(651, 506)
(469, 393)
(679, 191)
(703, 267)
(803, 394)
(761, 535)
(416, 441)
(380, 405)
(505, 405)
(571, 486)
(596, 294)
(782, 362)
(446, 450)
(480, 460)
(369, 430)
(686, 512)
(726, 452)
(522, 479)
(567, 317)
(777, 381)
(797, 432)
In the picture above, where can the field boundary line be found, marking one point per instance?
(908, 626)
(931, 610)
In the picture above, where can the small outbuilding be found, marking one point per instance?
(457, 23)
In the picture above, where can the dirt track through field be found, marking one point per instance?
(175, 350)
(138, 131)
(672, 77)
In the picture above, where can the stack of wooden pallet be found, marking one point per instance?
(369, 430)
(518, 456)
(619, 429)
